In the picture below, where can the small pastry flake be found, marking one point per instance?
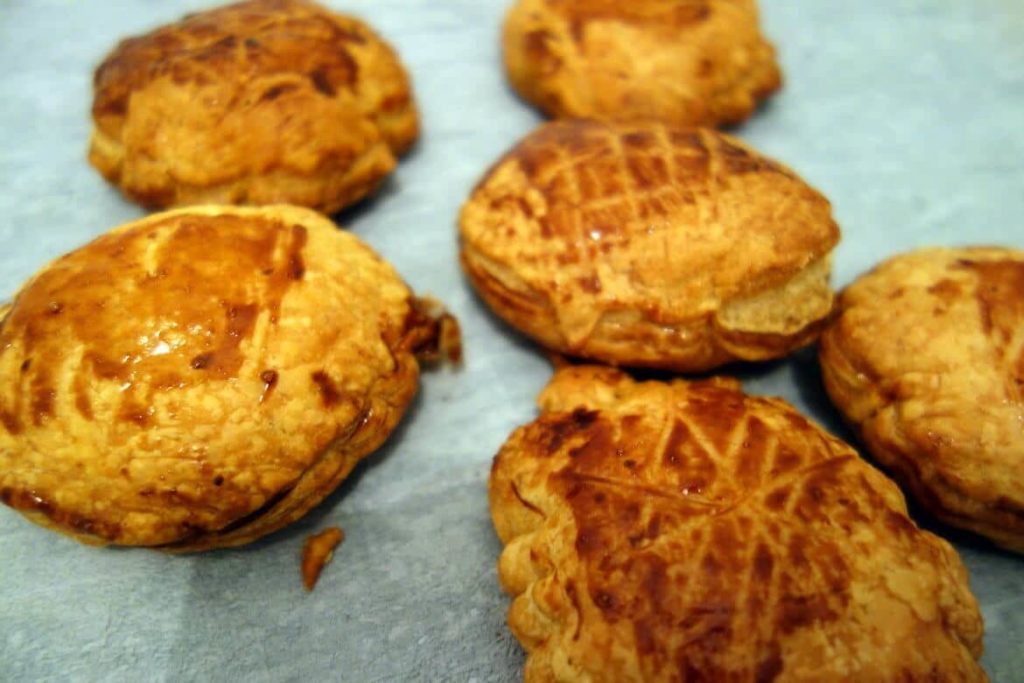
(317, 553)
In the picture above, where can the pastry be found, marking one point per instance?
(684, 62)
(686, 531)
(258, 102)
(644, 245)
(317, 553)
(201, 377)
(926, 361)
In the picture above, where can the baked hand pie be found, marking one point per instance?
(926, 361)
(258, 102)
(684, 62)
(645, 245)
(201, 377)
(686, 531)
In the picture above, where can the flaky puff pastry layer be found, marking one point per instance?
(686, 531)
(257, 102)
(201, 377)
(926, 361)
(645, 245)
(684, 62)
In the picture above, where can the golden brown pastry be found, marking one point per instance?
(643, 245)
(926, 361)
(254, 103)
(684, 62)
(317, 553)
(688, 532)
(201, 377)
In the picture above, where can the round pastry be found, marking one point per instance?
(201, 377)
(684, 62)
(254, 103)
(926, 361)
(642, 245)
(686, 531)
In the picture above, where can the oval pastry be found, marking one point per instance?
(258, 102)
(684, 62)
(651, 246)
(201, 377)
(686, 531)
(926, 361)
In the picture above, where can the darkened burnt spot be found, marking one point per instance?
(227, 43)
(10, 421)
(590, 542)
(654, 527)
(688, 139)
(536, 44)
(296, 265)
(276, 91)
(605, 601)
(640, 140)
(797, 611)
(739, 160)
(764, 563)
(202, 361)
(563, 427)
(252, 43)
(946, 289)
(269, 379)
(320, 81)
(26, 364)
(218, 480)
(42, 404)
(135, 414)
(770, 665)
(329, 393)
(527, 504)
(590, 284)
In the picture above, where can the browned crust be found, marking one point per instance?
(159, 386)
(253, 103)
(557, 238)
(317, 553)
(686, 531)
(936, 396)
(685, 62)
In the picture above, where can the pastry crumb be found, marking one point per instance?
(317, 554)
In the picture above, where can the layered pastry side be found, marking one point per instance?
(259, 102)
(685, 531)
(202, 377)
(646, 245)
(926, 361)
(682, 62)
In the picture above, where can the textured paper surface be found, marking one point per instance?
(908, 114)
